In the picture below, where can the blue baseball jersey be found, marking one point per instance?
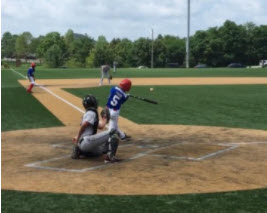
(116, 98)
(30, 72)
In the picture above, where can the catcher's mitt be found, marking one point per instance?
(105, 114)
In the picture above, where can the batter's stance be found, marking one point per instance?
(88, 142)
(31, 78)
(116, 98)
(105, 72)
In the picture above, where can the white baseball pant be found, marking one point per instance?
(113, 122)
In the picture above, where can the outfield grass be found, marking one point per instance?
(236, 202)
(238, 106)
(42, 73)
(21, 110)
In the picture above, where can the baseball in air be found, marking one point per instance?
(151, 89)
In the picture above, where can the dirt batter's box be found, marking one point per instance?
(129, 152)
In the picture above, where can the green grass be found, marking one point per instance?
(21, 110)
(236, 202)
(43, 73)
(240, 106)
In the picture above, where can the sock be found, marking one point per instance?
(30, 87)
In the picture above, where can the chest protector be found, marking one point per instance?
(96, 120)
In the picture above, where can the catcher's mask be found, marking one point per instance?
(126, 84)
(89, 101)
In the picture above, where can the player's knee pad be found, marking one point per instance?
(106, 148)
(112, 132)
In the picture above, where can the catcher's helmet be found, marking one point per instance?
(89, 101)
(33, 65)
(126, 84)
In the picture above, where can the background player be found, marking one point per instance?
(116, 98)
(88, 142)
(31, 77)
(105, 72)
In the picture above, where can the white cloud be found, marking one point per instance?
(131, 18)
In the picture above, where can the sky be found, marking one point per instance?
(130, 19)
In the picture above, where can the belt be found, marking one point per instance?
(113, 109)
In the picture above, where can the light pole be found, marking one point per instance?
(188, 35)
(152, 50)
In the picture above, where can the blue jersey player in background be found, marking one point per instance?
(116, 98)
(30, 75)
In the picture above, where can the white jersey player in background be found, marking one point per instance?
(105, 72)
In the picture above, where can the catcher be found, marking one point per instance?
(90, 143)
(105, 72)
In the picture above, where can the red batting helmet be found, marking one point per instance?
(33, 65)
(126, 84)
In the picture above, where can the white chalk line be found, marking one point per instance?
(55, 95)
(230, 146)
(216, 153)
(203, 157)
(173, 157)
(38, 164)
(243, 143)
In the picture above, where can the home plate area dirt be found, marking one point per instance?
(160, 159)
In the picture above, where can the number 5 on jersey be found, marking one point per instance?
(115, 100)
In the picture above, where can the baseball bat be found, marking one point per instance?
(143, 99)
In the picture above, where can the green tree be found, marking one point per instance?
(102, 53)
(23, 42)
(251, 51)
(80, 49)
(122, 52)
(34, 45)
(160, 52)
(69, 37)
(213, 55)
(8, 43)
(53, 56)
(90, 60)
(260, 42)
(56, 45)
(198, 47)
(234, 42)
(175, 49)
(141, 52)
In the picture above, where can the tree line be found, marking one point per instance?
(216, 47)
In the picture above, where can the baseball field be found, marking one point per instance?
(202, 148)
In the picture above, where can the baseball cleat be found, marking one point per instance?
(111, 160)
(126, 138)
